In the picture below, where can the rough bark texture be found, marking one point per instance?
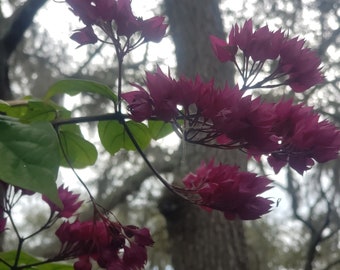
(200, 240)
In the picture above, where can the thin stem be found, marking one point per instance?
(86, 119)
(148, 163)
(72, 168)
(120, 75)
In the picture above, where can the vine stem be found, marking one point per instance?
(148, 163)
(86, 119)
(72, 168)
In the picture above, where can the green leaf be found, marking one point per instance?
(73, 87)
(80, 152)
(114, 137)
(30, 156)
(33, 110)
(26, 259)
(159, 129)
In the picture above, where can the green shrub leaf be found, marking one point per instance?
(80, 152)
(159, 129)
(26, 259)
(73, 87)
(114, 137)
(29, 156)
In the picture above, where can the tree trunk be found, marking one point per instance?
(200, 240)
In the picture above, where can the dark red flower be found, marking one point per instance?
(224, 52)
(127, 23)
(83, 263)
(302, 65)
(226, 189)
(303, 138)
(236, 119)
(69, 200)
(110, 244)
(85, 10)
(153, 29)
(85, 36)
(106, 9)
(140, 104)
(164, 94)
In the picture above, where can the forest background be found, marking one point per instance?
(302, 232)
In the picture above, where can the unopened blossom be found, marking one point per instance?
(153, 29)
(224, 52)
(303, 137)
(110, 244)
(84, 10)
(225, 188)
(85, 36)
(69, 200)
(140, 104)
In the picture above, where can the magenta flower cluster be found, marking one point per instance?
(110, 244)
(116, 19)
(226, 118)
(229, 190)
(297, 66)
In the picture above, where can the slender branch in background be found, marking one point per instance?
(89, 59)
(316, 235)
(131, 184)
(295, 201)
(21, 20)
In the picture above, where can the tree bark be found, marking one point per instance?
(12, 33)
(200, 240)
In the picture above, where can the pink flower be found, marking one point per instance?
(85, 36)
(85, 10)
(224, 52)
(153, 29)
(140, 104)
(303, 138)
(300, 64)
(127, 23)
(164, 94)
(105, 13)
(259, 45)
(226, 189)
(110, 244)
(69, 200)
